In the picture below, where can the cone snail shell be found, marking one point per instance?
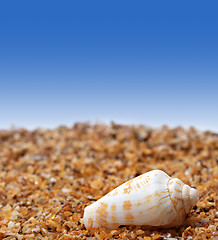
(152, 199)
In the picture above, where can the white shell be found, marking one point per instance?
(152, 199)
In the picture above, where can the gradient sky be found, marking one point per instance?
(135, 62)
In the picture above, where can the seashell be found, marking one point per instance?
(152, 199)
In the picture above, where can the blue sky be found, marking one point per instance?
(134, 62)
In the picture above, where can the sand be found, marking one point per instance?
(48, 177)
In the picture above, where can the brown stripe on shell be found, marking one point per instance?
(102, 214)
(113, 212)
(127, 205)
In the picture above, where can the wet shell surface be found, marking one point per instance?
(152, 199)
